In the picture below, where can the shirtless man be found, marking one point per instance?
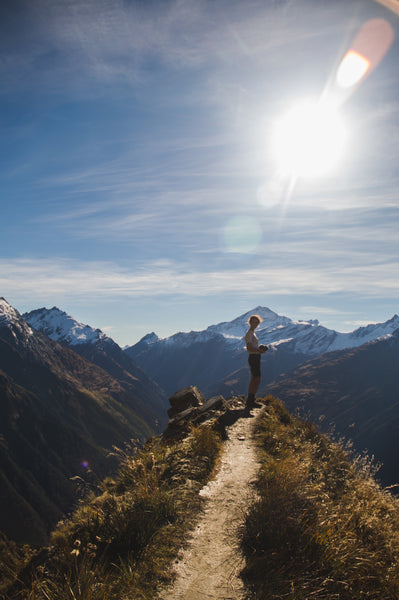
(254, 354)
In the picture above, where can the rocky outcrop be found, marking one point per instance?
(189, 408)
(185, 399)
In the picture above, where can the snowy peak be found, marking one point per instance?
(368, 333)
(384, 328)
(150, 338)
(11, 319)
(303, 337)
(8, 314)
(61, 327)
(238, 326)
(268, 316)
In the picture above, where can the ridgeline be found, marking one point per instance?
(316, 523)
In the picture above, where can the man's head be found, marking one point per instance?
(254, 320)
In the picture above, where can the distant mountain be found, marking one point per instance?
(356, 390)
(63, 328)
(215, 359)
(146, 398)
(59, 415)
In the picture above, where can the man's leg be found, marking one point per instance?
(254, 363)
(252, 389)
(253, 385)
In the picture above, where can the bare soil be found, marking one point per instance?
(210, 566)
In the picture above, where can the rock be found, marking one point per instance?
(189, 408)
(217, 402)
(184, 415)
(184, 399)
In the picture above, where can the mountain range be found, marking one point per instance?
(68, 393)
(215, 359)
(60, 415)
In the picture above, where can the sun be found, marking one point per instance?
(309, 140)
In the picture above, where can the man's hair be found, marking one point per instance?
(257, 317)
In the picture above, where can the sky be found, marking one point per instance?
(140, 186)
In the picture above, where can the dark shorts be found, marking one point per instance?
(254, 363)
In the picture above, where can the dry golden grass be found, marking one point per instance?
(121, 542)
(321, 527)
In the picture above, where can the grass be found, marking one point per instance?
(13, 558)
(321, 526)
(121, 542)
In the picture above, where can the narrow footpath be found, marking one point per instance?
(209, 568)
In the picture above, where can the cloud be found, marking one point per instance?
(322, 310)
(55, 280)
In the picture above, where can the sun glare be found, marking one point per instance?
(309, 140)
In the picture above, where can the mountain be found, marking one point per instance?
(59, 416)
(356, 391)
(147, 399)
(215, 359)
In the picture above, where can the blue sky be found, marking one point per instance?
(138, 189)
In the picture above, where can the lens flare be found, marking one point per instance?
(368, 48)
(352, 69)
(242, 234)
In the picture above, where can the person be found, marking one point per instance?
(254, 354)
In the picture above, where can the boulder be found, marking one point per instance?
(189, 408)
(184, 399)
(214, 403)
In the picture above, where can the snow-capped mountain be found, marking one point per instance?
(207, 358)
(307, 337)
(210, 357)
(101, 350)
(12, 322)
(61, 327)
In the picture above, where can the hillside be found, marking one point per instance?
(60, 416)
(356, 391)
(316, 524)
(145, 397)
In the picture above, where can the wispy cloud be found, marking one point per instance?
(57, 279)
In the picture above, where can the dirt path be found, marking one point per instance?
(210, 567)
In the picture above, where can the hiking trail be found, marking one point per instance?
(209, 568)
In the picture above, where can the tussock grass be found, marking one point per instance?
(119, 544)
(13, 558)
(321, 526)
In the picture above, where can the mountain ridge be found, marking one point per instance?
(281, 329)
(61, 327)
(308, 518)
(94, 345)
(60, 415)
